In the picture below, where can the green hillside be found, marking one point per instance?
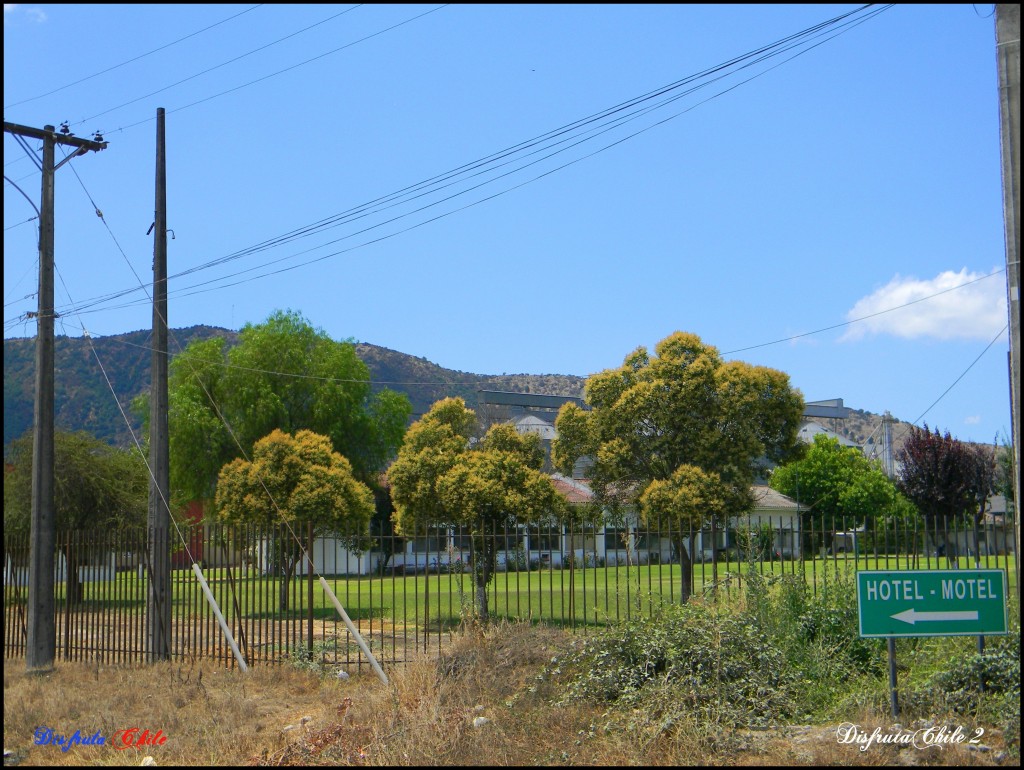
(91, 397)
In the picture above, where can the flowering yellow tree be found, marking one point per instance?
(295, 481)
(679, 434)
(440, 478)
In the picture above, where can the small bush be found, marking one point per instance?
(832, 627)
(998, 666)
(690, 660)
(301, 658)
(960, 684)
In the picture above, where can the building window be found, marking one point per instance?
(434, 541)
(583, 539)
(647, 540)
(616, 538)
(545, 537)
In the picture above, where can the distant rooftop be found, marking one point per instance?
(809, 429)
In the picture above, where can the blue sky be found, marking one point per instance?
(766, 210)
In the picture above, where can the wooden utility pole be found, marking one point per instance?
(1008, 65)
(159, 596)
(42, 629)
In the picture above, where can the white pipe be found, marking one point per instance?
(220, 618)
(353, 631)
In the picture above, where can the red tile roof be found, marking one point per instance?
(575, 490)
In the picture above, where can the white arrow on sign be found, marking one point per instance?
(912, 616)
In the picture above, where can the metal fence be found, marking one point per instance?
(410, 593)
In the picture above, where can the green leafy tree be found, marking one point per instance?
(947, 479)
(679, 434)
(285, 375)
(97, 487)
(839, 487)
(293, 482)
(440, 478)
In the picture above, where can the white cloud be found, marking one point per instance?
(974, 419)
(34, 13)
(976, 311)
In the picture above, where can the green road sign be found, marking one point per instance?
(932, 602)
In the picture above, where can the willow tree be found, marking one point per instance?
(679, 435)
(442, 478)
(283, 374)
(293, 482)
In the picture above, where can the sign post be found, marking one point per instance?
(893, 603)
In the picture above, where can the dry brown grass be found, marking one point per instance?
(425, 717)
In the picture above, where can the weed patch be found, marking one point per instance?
(689, 661)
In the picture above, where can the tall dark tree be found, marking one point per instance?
(97, 487)
(947, 479)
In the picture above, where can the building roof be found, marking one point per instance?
(767, 498)
(575, 490)
(809, 429)
(530, 423)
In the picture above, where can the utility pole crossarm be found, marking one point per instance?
(42, 133)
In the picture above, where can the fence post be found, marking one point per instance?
(309, 587)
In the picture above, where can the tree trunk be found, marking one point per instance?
(482, 573)
(481, 601)
(685, 566)
(289, 571)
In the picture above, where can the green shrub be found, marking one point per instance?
(998, 666)
(691, 660)
(315, 662)
(960, 684)
(832, 627)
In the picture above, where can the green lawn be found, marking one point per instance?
(595, 595)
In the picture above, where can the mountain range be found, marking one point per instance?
(97, 378)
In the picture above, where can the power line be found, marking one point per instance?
(990, 344)
(359, 211)
(215, 67)
(843, 23)
(11, 227)
(129, 61)
(752, 347)
(866, 317)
